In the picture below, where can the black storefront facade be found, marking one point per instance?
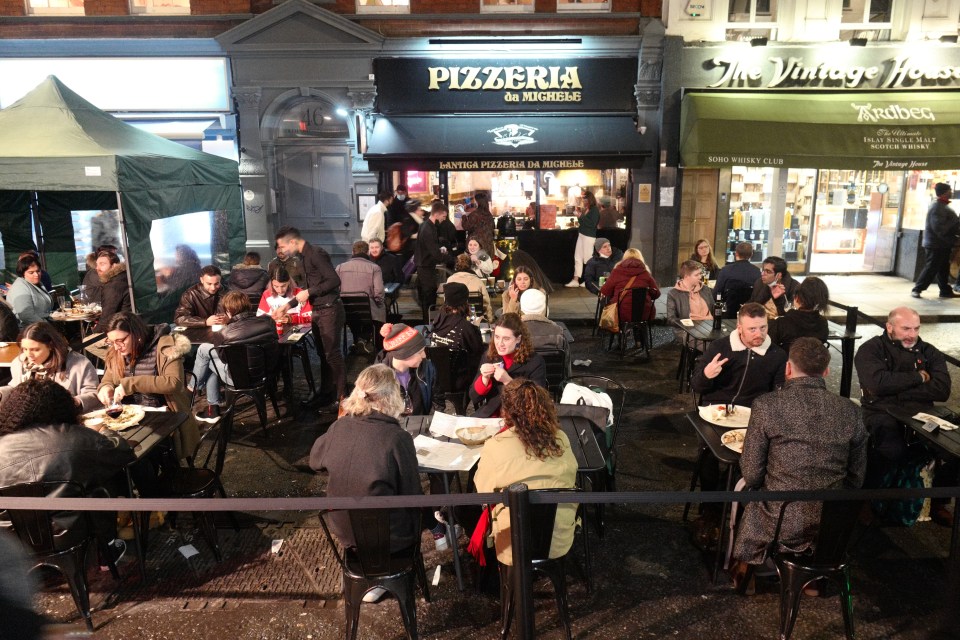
(823, 154)
(534, 131)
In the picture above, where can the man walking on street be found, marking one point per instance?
(939, 237)
(428, 255)
(323, 292)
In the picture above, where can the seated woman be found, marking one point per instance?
(45, 354)
(43, 439)
(689, 299)
(463, 274)
(404, 352)
(30, 302)
(114, 292)
(366, 453)
(531, 449)
(522, 280)
(481, 264)
(805, 319)
(509, 356)
(453, 329)
(145, 366)
(243, 327)
(280, 298)
(629, 274)
(703, 255)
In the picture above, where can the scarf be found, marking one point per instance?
(476, 545)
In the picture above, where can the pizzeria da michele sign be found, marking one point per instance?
(421, 85)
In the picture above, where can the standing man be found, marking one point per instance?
(323, 292)
(396, 211)
(374, 223)
(586, 239)
(291, 264)
(898, 369)
(201, 304)
(428, 255)
(939, 237)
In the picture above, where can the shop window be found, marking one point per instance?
(55, 7)
(749, 19)
(506, 6)
(751, 203)
(182, 245)
(869, 19)
(313, 119)
(160, 6)
(919, 195)
(92, 229)
(582, 5)
(383, 6)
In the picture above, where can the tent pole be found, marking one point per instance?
(126, 252)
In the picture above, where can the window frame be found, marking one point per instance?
(53, 11)
(161, 11)
(604, 6)
(392, 8)
(508, 8)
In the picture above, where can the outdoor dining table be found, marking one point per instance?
(86, 320)
(155, 427)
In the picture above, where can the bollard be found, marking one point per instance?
(518, 500)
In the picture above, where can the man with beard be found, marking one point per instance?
(323, 292)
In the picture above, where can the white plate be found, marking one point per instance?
(739, 419)
(733, 439)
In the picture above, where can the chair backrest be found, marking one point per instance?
(254, 299)
(556, 367)
(217, 436)
(35, 527)
(446, 362)
(639, 303)
(837, 521)
(542, 519)
(356, 305)
(733, 299)
(250, 364)
(371, 531)
(616, 391)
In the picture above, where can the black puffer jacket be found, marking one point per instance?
(247, 328)
(889, 374)
(114, 294)
(457, 333)
(249, 279)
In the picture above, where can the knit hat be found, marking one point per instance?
(533, 302)
(943, 189)
(598, 244)
(455, 294)
(401, 341)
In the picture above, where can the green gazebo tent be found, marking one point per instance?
(59, 153)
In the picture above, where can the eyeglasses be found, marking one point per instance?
(769, 272)
(110, 343)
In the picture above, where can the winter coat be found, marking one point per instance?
(740, 274)
(168, 382)
(457, 333)
(474, 285)
(292, 265)
(619, 278)
(479, 226)
(426, 253)
(423, 380)
(114, 294)
(534, 369)
(798, 323)
(79, 378)
(91, 285)
(360, 275)
(504, 461)
(889, 377)
(370, 456)
(801, 438)
(547, 334)
(30, 303)
(196, 305)
(509, 305)
(251, 279)
(247, 328)
(597, 266)
(760, 369)
(942, 226)
(390, 267)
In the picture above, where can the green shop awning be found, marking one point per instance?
(827, 131)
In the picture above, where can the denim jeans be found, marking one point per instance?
(203, 369)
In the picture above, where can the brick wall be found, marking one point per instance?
(218, 7)
(106, 7)
(92, 27)
(12, 8)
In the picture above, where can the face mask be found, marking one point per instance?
(401, 197)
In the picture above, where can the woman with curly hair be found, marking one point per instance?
(44, 353)
(531, 449)
(145, 366)
(509, 356)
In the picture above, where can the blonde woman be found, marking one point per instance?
(631, 273)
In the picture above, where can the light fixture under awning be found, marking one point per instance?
(510, 141)
(886, 131)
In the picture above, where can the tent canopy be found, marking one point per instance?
(55, 143)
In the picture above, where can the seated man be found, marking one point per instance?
(544, 332)
(801, 437)
(361, 276)
(739, 274)
(774, 289)
(897, 368)
(605, 258)
(734, 370)
(243, 326)
(200, 305)
(390, 267)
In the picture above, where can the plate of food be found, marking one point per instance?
(717, 414)
(733, 439)
(115, 418)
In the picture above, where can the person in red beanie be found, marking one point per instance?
(404, 351)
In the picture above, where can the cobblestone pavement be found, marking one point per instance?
(649, 581)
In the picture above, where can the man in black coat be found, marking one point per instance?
(739, 275)
(428, 254)
(323, 292)
(898, 369)
(939, 236)
(389, 264)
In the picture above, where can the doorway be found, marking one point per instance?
(698, 209)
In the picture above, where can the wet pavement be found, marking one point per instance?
(649, 580)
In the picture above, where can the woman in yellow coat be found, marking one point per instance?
(533, 450)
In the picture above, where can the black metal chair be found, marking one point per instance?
(638, 301)
(371, 565)
(447, 364)
(618, 394)
(253, 373)
(475, 300)
(542, 518)
(358, 315)
(735, 298)
(556, 361)
(301, 350)
(203, 481)
(65, 551)
(828, 561)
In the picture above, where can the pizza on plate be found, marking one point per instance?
(131, 415)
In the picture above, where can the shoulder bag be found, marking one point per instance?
(610, 316)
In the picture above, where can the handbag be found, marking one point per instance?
(610, 316)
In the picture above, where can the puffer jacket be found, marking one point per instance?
(247, 328)
(457, 333)
(249, 279)
(196, 305)
(114, 294)
(619, 278)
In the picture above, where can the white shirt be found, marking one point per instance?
(373, 223)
